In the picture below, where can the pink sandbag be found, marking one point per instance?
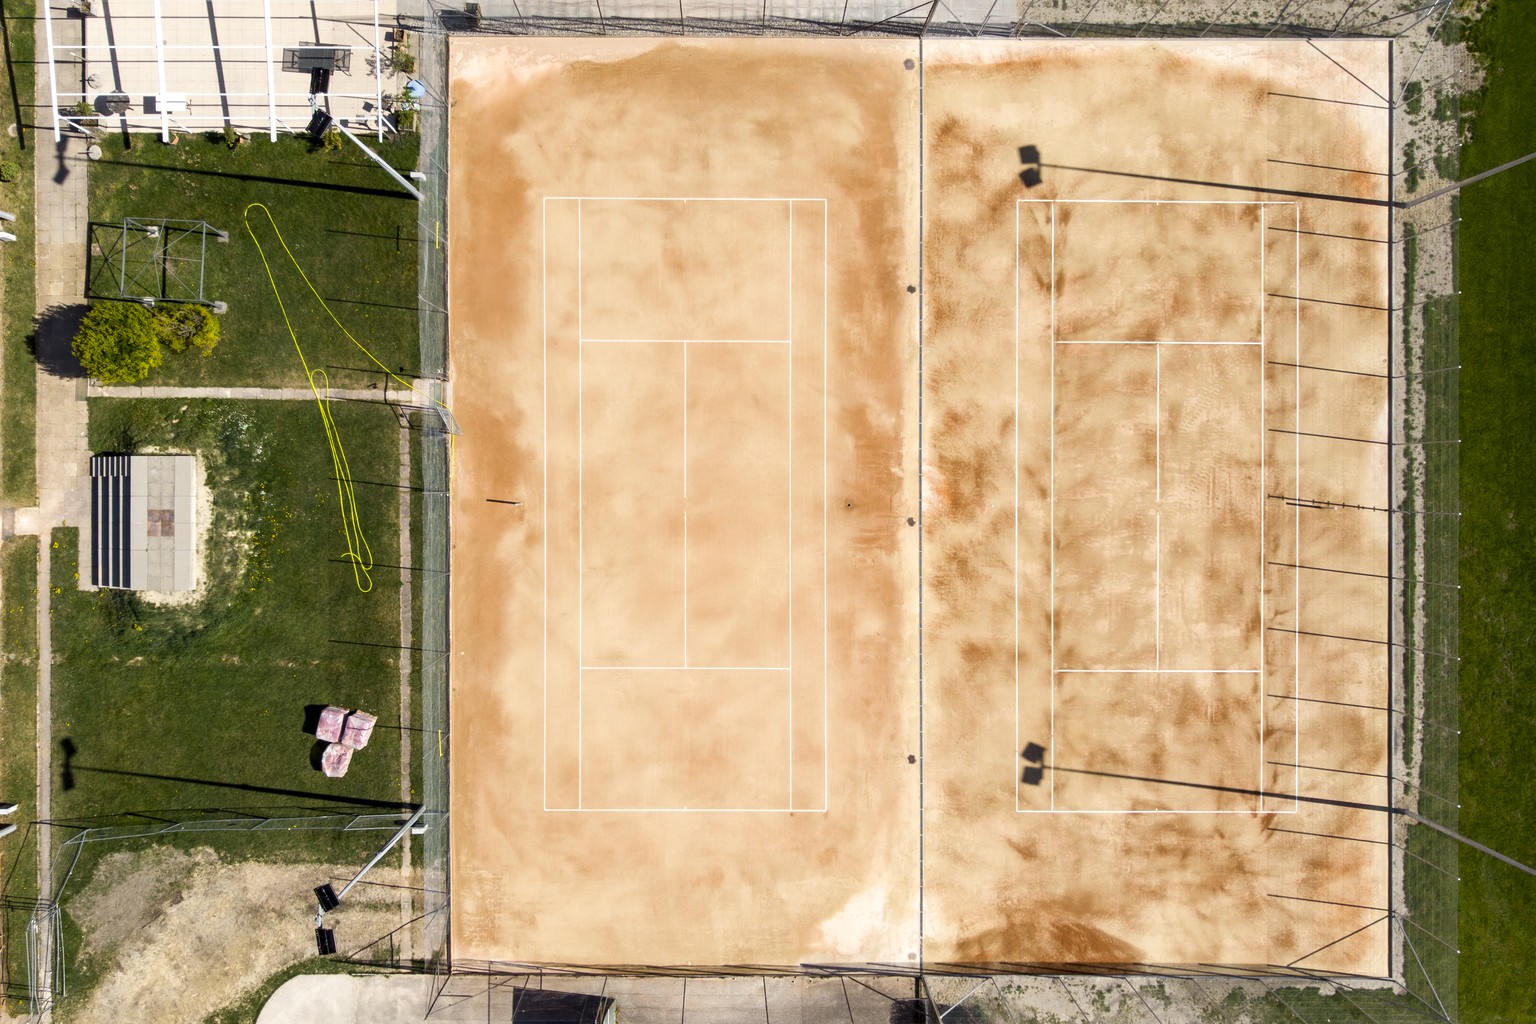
(329, 726)
(358, 728)
(335, 760)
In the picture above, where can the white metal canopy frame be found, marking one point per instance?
(190, 65)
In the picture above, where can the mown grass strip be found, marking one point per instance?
(1498, 525)
(18, 744)
(18, 299)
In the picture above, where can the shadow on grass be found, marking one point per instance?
(10, 71)
(72, 770)
(52, 337)
(221, 812)
(382, 193)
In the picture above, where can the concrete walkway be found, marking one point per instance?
(402, 999)
(398, 395)
(60, 221)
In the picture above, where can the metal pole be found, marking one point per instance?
(1405, 812)
(165, 118)
(266, 18)
(378, 73)
(400, 834)
(404, 183)
(53, 77)
(1437, 193)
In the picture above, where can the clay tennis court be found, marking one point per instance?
(860, 556)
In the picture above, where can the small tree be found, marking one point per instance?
(116, 343)
(177, 326)
(401, 59)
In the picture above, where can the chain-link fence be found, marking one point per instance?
(1428, 132)
(436, 478)
(1410, 22)
(1430, 74)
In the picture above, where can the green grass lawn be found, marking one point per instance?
(18, 749)
(349, 226)
(177, 709)
(1498, 527)
(18, 300)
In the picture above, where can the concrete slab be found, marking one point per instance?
(210, 60)
(344, 999)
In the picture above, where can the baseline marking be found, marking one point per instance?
(1255, 344)
(1017, 744)
(684, 668)
(581, 504)
(1053, 490)
(684, 341)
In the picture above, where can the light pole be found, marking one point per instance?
(1455, 185)
(1034, 773)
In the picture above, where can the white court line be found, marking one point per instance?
(1053, 499)
(1263, 496)
(1112, 342)
(1261, 672)
(1167, 202)
(1162, 671)
(1157, 586)
(685, 504)
(684, 341)
(1296, 681)
(826, 355)
(544, 454)
(684, 668)
(789, 374)
(581, 510)
(1017, 739)
(826, 612)
(686, 810)
(1166, 810)
(696, 199)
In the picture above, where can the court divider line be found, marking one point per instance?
(1263, 491)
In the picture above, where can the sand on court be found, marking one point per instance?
(1114, 423)
(684, 671)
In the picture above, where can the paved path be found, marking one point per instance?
(60, 222)
(397, 395)
(407, 897)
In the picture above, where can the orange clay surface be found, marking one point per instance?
(691, 721)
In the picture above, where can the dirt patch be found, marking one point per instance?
(148, 914)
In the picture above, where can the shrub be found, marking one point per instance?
(116, 343)
(231, 137)
(10, 170)
(402, 60)
(177, 326)
(331, 140)
(84, 109)
(405, 119)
